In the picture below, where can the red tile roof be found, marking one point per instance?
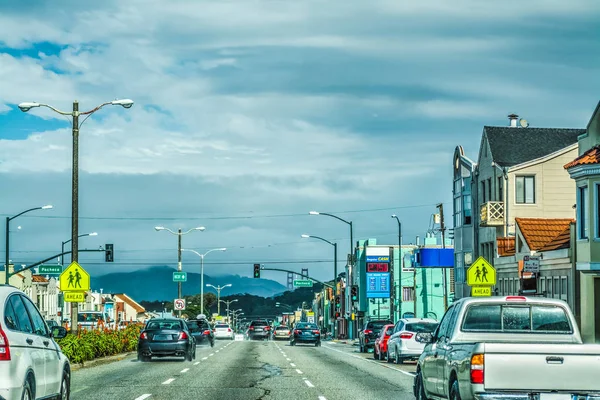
(542, 233)
(39, 279)
(562, 241)
(590, 157)
(132, 303)
(506, 246)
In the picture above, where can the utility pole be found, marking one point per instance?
(75, 209)
(179, 266)
(443, 228)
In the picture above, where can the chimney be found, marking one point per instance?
(418, 240)
(513, 118)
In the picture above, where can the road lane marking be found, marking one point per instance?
(217, 351)
(168, 381)
(288, 359)
(210, 355)
(197, 362)
(205, 358)
(183, 371)
(322, 398)
(293, 365)
(298, 371)
(371, 361)
(144, 396)
(308, 383)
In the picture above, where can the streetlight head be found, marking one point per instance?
(200, 228)
(223, 249)
(394, 215)
(228, 285)
(46, 207)
(313, 212)
(159, 228)
(28, 106)
(126, 103)
(93, 234)
(305, 236)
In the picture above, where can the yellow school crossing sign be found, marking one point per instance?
(74, 279)
(481, 276)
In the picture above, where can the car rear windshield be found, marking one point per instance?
(378, 325)
(221, 326)
(163, 325)
(259, 323)
(421, 327)
(517, 318)
(282, 328)
(306, 326)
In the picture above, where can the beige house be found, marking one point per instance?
(520, 174)
(585, 172)
(128, 309)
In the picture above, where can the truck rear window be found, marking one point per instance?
(513, 318)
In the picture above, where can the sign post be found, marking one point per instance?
(481, 276)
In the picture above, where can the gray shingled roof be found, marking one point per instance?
(512, 146)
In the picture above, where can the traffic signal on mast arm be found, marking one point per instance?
(337, 302)
(257, 270)
(354, 293)
(108, 253)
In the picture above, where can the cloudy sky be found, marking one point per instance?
(248, 114)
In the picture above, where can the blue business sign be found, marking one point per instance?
(375, 259)
(378, 285)
(436, 258)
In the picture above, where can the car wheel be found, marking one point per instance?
(454, 391)
(27, 391)
(65, 386)
(375, 353)
(398, 359)
(189, 356)
(419, 389)
(388, 358)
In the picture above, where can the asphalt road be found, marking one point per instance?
(249, 371)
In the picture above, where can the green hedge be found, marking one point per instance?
(88, 345)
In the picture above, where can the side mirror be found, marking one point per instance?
(424, 338)
(58, 332)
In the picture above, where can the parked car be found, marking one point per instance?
(259, 329)
(380, 348)
(514, 346)
(305, 332)
(32, 364)
(223, 331)
(166, 338)
(201, 331)
(405, 343)
(281, 332)
(370, 332)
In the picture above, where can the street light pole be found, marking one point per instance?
(335, 274)
(218, 289)
(7, 248)
(179, 234)
(202, 272)
(127, 103)
(401, 259)
(228, 302)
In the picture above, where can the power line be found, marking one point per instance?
(230, 217)
(166, 263)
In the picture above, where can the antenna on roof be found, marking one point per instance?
(523, 122)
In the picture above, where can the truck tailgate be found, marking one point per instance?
(541, 367)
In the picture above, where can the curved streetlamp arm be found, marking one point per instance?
(320, 238)
(24, 212)
(56, 110)
(194, 251)
(336, 217)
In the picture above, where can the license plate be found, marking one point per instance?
(555, 396)
(162, 337)
(258, 330)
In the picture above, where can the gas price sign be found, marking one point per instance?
(378, 267)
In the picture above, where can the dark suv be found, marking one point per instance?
(259, 330)
(370, 333)
(201, 331)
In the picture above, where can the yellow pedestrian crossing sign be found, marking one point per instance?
(74, 278)
(481, 273)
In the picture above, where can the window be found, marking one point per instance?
(467, 208)
(39, 326)
(525, 189)
(582, 212)
(500, 189)
(556, 285)
(10, 317)
(513, 318)
(483, 192)
(408, 294)
(597, 214)
(564, 290)
(457, 212)
(489, 188)
(23, 320)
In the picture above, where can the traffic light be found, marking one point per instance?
(451, 233)
(108, 253)
(337, 302)
(257, 271)
(354, 293)
(337, 315)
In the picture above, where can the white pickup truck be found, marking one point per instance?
(509, 348)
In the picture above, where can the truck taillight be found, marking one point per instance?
(516, 298)
(477, 369)
(144, 335)
(406, 335)
(206, 332)
(228, 329)
(4, 347)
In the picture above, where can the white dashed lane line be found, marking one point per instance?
(298, 371)
(371, 361)
(293, 365)
(205, 358)
(310, 385)
(183, 371)
(197, 362)
(168, 381)
(322, 398)
(144, 396)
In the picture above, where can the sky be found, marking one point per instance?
(249, 114)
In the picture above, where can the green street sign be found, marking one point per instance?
(303, 283)
(179, 276)
(50, 269)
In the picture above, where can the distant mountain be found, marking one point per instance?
(157, 284)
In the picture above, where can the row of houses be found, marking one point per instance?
(44, 291)
(533, 193)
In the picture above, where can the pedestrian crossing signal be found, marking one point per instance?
(337, 315)
(257, 271)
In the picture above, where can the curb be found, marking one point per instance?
(100, 361)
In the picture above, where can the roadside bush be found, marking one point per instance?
(88, 345)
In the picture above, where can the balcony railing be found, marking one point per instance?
(492, 213)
